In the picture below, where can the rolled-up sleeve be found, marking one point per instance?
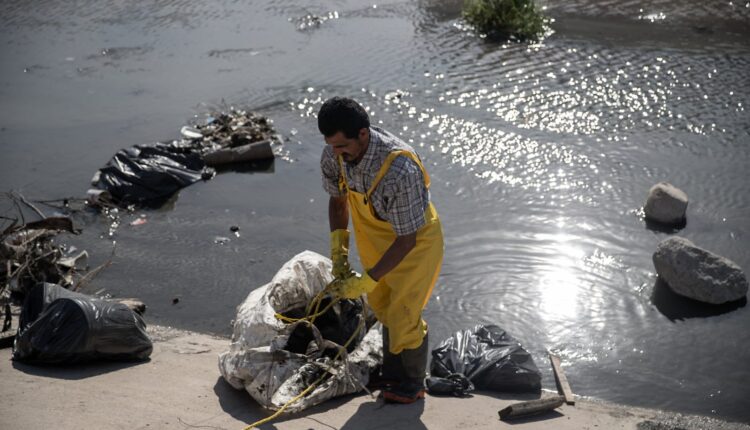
(405, 196)
(331, 171)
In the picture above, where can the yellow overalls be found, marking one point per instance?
(400, 295)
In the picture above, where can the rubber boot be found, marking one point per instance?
(391, 372)
(414, 367)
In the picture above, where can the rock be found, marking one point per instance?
(666, 204)
(698, 274)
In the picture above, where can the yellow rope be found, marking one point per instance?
(314, 303)
(360, 326)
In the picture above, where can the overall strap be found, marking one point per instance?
(387, 164)
(343, 186)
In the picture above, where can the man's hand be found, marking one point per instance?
(354, 286)
(340, 254)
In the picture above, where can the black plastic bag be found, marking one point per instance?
(455, 384)
(492, 359)
(150, 174)
(58, 326)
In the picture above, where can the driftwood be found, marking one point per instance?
(532, 407)
(51, 223)
(562, 381)
(240, 154)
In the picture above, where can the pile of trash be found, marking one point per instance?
(29, 255)
(277, 357)
(150, 174)
(55, 323)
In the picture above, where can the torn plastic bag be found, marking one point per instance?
(274, 361)
(491, 358)
(150, 174)
(58, 326)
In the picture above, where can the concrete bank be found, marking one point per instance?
(180, 388)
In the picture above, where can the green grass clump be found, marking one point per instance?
(503, 19)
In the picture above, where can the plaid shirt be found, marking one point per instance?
(400, 198)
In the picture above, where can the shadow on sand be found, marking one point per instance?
(238, 403)
(75, 372)
(370, 415)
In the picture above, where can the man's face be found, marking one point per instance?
(351, 150)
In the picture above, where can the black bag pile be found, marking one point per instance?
(488, 357)
(149, 175)
(58, 326)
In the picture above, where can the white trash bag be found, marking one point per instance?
(275, 361)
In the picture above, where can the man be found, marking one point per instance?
(379, 180)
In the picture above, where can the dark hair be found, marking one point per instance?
(344, 115)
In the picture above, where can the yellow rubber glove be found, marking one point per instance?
(354, 286)
(340, 254)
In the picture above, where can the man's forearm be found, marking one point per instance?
(393, 256)
(338, 213)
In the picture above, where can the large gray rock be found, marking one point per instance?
(699, 274)
(666, 204)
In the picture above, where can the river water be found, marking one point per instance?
(541, 157)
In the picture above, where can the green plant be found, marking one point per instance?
(505, 18)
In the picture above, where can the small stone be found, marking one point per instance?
(234, 229)
(666, 204)
(699, 274)
(175, 300)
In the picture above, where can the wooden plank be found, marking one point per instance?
(562, 381)
(532, 407)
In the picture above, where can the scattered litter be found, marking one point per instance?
(191, 133)
(235, 229)
(72, 261)
(220, 240)
(139, 221)
(311, 21)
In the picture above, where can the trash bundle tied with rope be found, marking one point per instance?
(294, 346)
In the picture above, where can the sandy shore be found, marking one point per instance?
(180, 388)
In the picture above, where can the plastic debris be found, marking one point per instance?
(139, 221)
(488, 356)
(275, 361)
(148, 175)
(60, 326)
